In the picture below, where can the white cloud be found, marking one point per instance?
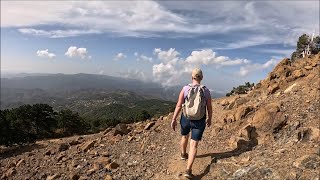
(250, 68)
(119, 57)
(143, 58)
(73, 51)
(45, 53)
(173, 69)
(167, 56)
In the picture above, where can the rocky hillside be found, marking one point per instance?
(270, 133)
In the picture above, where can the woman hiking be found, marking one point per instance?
(195, 101)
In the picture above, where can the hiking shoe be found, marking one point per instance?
(184, 156)
(188, 174)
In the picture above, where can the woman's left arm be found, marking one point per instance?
(177, 110)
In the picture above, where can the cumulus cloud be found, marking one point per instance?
(119, 57)
(73, 51)
(45, 53)
(174, 69)
(250, 68)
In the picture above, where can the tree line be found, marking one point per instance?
(28, 123)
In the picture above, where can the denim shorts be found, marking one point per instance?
(196, 126)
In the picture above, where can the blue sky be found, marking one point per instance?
(160, 41)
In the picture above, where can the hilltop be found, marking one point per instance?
(270, 133)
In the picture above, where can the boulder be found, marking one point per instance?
(242, 112)
(121, 129)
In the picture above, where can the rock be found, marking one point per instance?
(308, 67)
(230, 118)
(74, 142)
(298, 73)
(55, 176)
(107, 131)
(224, 102)
(63, 147)
(272, 89)
(121, 129)
(11, 164)
(74, 176)
(130, 138)
(240, 101)
(91, 171)
(60, 157)
(10, 172)
(48, 152)
(149, 125)
(289, 89)
(20, 162)
(311, 161)
(108, 177)
(112, 165)
(87, 145)
(101, 162)
(314, 134)
(242, 112)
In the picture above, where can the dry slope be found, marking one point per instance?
(270, 133)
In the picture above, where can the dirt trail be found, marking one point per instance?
(206, 155)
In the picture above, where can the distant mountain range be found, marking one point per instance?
(62, 89)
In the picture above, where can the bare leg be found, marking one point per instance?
(192, 153)
(184, 143)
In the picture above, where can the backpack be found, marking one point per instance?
(194, 107)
